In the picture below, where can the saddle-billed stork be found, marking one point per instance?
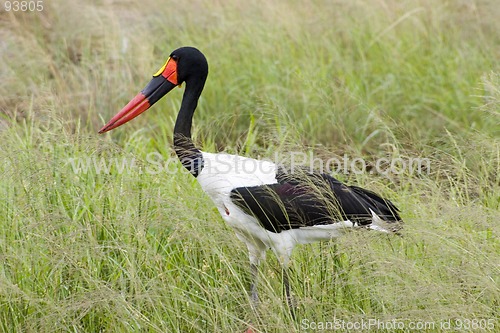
(267, 206)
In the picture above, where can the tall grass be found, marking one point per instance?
(132, 251)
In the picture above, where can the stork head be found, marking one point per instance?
(186, 64)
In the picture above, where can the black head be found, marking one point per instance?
(191, 64)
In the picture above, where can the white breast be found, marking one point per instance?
(223, 172)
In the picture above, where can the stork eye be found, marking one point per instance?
(174, 57)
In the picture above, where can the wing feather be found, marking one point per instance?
(309, 199)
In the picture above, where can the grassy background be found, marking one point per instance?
(131, 251)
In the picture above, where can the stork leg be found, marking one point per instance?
(257, 252)
(254, 297)
(288, 294)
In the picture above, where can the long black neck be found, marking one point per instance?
(190, 156)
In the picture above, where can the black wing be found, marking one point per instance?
(308, 199)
